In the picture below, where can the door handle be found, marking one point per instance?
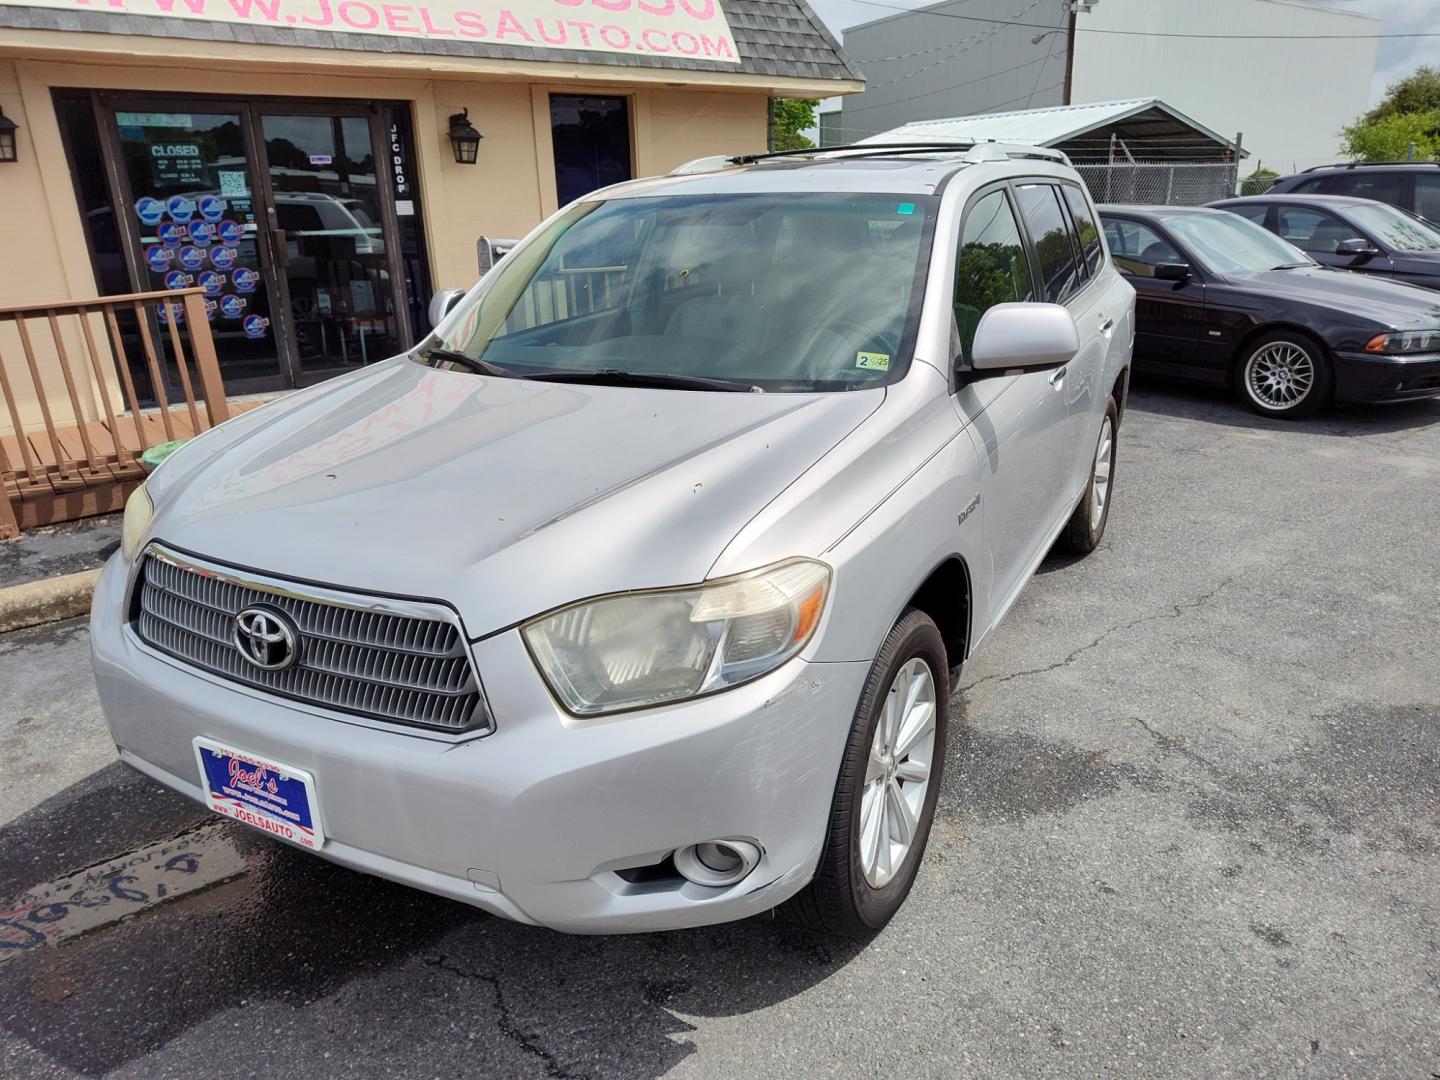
(1057, 378)
(1106, 323)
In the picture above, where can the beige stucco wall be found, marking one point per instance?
(43, 254)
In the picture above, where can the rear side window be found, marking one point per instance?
(1255, 213)
(1387, 187)
(1427, 196)
(1090, 249)
(991, 267)
(1054, 245)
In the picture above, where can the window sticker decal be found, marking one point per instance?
(873, 361)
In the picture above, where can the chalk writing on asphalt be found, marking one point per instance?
(99, 895)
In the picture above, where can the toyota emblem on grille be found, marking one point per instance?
(267, 638)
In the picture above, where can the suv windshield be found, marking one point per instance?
(1395, 228)
(775, 292)
(1230, 244)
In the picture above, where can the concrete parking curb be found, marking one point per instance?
(48, 600)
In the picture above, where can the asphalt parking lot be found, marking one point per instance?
(1190, 827)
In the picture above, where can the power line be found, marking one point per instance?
(1149, 33)
(954, 86)
(968, 43)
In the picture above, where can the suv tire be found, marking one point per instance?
(888, 785)
(1086, 526)
(1284, 375)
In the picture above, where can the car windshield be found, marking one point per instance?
(772, 292)
(1229, 244)
(1395, 228)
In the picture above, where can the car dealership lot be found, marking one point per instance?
(1190, 826)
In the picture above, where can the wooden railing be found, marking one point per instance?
(86, 388)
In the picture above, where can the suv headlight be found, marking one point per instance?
(1413, 341)
(635, 649)
(139, 509)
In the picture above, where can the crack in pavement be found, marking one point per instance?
(527, 1042)
(1175, 613)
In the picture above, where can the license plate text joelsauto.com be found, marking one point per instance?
(266, 795)
(695, 29)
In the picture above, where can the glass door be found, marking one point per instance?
(334, 261)
(194, 219)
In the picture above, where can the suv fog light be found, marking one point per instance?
(717, 863)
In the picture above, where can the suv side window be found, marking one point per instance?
(1427, 195)
(991, 267)
(1313, 232)
(1308, 187)
(1090, 248)
(1137, 248)
(1054, 245)
(1387, 186)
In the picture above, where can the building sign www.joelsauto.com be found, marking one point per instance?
(690, 29)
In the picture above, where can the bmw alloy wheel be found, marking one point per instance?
(1280, 375)
(897, 773)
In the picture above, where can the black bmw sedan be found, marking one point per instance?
(1362, 235)
(1220, 300)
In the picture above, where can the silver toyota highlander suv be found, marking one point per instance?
(633, 596)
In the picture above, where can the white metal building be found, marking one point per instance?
(1286, 74)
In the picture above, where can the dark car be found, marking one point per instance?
(1342, 233)
(1220, 300)
(1410, 185)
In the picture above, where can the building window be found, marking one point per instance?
(592, 143)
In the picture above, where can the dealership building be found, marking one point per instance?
(319, 167)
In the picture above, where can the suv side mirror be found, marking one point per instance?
(1172, 271)
(1023, 337)
(1357, 247)
(442, 303)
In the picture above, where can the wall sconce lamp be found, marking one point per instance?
(8, 128)
(464, 138)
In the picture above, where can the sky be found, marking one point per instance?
(1397, 56)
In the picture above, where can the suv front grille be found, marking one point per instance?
(357, 654)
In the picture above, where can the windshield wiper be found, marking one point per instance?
(617, 377)
(1292, 266)
(474, 363)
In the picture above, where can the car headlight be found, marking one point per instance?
(1413, 341)
(138, 512)
(635, 649)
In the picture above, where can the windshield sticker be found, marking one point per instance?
(873, 361)
(905, 208)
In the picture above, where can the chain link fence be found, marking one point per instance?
(1163, 183)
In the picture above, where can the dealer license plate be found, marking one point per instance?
(264, 794)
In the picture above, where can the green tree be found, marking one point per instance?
(1259, 181)
(1417, 92)
(1389, 138)
(788, 118)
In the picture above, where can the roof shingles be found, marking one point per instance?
(781, 38)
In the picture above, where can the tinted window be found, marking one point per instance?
(1308, 187)
(1050, 231)
(1427, 195)
(592, 143)
(1387, 186)
(1137, 249)
(1312, 231)
(1255, 212)
(991, 268)
(1089, 235)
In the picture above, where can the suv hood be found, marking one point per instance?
(1391, 304)
(502, 497)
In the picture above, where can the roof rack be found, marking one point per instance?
(973, 152)
(1368, 164)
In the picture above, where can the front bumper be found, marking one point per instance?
(1366, 377)
(532, 821)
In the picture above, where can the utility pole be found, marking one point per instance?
(1069, 54)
